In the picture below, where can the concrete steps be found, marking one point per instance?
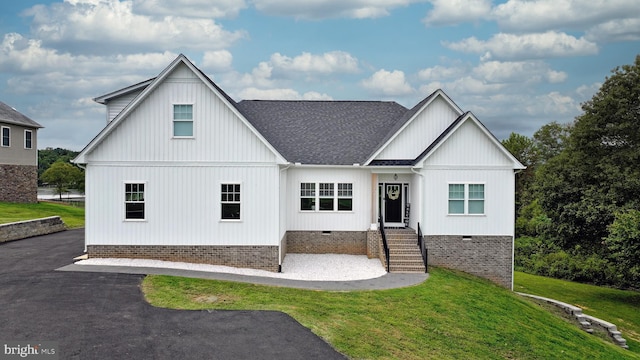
(404, 253)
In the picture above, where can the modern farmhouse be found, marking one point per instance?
(183, 172)
(18, 156)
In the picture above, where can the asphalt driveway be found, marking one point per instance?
(104, 316)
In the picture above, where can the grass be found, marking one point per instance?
(616, 306)
(72, 216)
(451, 315)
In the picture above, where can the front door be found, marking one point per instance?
(393, 203)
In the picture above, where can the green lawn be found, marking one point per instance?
(73, 217)
(451, 315)
(616, 306)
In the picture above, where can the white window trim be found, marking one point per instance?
(2, 136)
(25, 139)
(193, 122)
(124, 203)
(466, 198)
(241, 219)
(317, 197)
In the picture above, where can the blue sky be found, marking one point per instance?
(515, 64)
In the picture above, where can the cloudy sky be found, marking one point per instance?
(516, 64)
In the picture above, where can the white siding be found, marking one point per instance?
(356, 220)
(499, 204)
(146, 135)
(421, 132)
(182, 206)
(115, 106)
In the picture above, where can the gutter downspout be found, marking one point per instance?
(280, 205)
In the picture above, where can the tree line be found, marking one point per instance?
(55, 169)
(578, 201)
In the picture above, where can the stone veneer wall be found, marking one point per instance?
(19, 183)
(334, 242)
(29, 228)
(490, 257)
(254, 257)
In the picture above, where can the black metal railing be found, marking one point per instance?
(423, 249)
(384, 241)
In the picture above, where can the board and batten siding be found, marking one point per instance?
(421, 132)
(182, 205)
(356, 220)
(147, 133)
(116, 105)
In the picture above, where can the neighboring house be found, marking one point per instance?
(18, 156)
(183, 172)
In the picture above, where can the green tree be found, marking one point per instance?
(623, 242)
(62, 175)
(524, 150)
(597, 173)
(550, 140)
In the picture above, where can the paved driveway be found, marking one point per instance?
(104, 316)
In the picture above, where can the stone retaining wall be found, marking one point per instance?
(490, 257)
(330, 242)
(254, 257)
(19, 183)
(30, 228)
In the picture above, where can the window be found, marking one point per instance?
(345, 197)
(27, 139)
(326, 197)
(466, 199)
(329, 197)
(6, 136)
(134, 201)
(183, 120)
(307, 196)
(230, 200)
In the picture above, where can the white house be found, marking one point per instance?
(183, 172)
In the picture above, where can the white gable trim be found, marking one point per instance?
(432, 97)
(129, 89)
(517, 165)
(181, 59)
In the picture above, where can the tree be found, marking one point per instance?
(597, 173)
(524, 150)
(62, 175)
(624, 243)
(550, 140)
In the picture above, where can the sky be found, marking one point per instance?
(516, 64)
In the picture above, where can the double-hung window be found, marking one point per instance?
(6, 136)
(28, 135)
(326, 196)
(230, 201)
(466, 199)
(134, 201)
(183, 120)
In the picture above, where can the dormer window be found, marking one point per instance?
(183, 120)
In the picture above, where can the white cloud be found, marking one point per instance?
(518, 72)
(538, 15)
(92, 25)
(190, 8)
(323, 9)
(217, 61)
(389, 83)
(615, 30)
(440, 73)
(253, 93)
(448, 12)
(327, 63)
(528, 46)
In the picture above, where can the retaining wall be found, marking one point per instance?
(30, 228)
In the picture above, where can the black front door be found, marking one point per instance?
(393, 203)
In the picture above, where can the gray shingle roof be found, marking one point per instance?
(12, 116)
(323, 132)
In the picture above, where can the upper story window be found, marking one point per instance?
(328, 197)
(6, 136)
(134, 201)
(28, 134)
(230, 201)
(466, 199)
(183, 120)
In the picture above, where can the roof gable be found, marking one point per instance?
(10, 115)
(149, 88)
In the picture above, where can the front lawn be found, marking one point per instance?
(451, 315)
(73, 217)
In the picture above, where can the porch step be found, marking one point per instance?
(404, 253)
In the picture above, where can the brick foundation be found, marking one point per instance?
(254, 257)
(489, 257)
(334, 242)
(19, 183)
(374, 245)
